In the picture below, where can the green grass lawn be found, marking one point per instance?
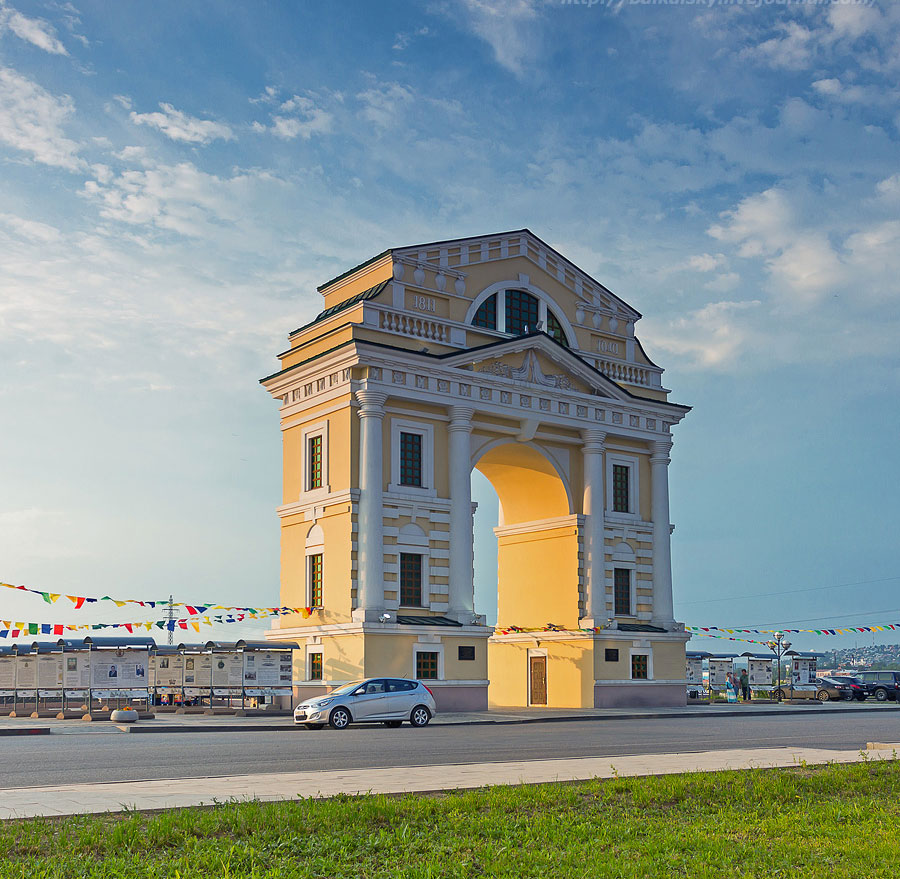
(837, 821)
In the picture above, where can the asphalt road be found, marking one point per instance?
(28, 761)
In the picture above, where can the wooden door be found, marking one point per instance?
(538, 672)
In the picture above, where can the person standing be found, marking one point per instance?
(730, 688)
(745, 685)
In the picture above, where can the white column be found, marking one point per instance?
(370, 533)
(595, 567)
(663, 611)
(462, 569)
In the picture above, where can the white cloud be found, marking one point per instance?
(385, 105)
(889, 188)
(712, 337)
(403, 39)
(852, 21)
(31, 230)
(36, 31)
(852, 94)
(509, 27)
(707, 262)
(792, 49)
(306, 120)
(801, 260)
(179, 126)
(32, 121)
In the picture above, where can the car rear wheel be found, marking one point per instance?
(314, 725)
(823, 696)
(393, 724)
(881, 695)
(420, 716)
(340, 718)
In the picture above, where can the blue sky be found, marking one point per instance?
(176, 179)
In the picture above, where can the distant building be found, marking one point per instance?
(494, 353)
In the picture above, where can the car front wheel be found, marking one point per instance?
(778, 694)
(823, 696)
(420, 716)
(340, 718)
(881, 695)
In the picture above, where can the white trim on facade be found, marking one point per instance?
(430, 647)
(632, 462)
(426, 431)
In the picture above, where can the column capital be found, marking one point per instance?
(371, 403)
(594, 441)
(461, 418)
(659, 451)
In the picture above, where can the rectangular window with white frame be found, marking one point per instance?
(622, 592)
(410, 579)
(315, 580)
(412, 458)
(641, 664)
(314, 665)
(315, 458)
(622, 489)
(428, 662)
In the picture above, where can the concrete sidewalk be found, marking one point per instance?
(74, 799)
(184, 723)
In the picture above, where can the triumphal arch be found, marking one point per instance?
(495, 353)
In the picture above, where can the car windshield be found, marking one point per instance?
(346, 688)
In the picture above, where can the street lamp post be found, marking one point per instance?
(779, 647)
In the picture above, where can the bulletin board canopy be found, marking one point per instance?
(121, 643)
(697, 654)
(248, 646)
(7, 650)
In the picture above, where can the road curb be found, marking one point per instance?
(511, 721)
(25, 731)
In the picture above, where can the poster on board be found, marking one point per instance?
(718, 672)
(760, 672)
(268, 671)
(694, 670)
(197, 674)
(169, 673)
(803, 671)
(7, 675)
(76, 672)
(49, 674)
(117, 671)
(26, 672)
(227, 673)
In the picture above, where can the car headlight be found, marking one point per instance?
(322, 704)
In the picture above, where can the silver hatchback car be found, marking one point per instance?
(376, 700)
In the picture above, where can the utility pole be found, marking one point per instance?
(170, 616)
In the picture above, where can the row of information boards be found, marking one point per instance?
(760, 670)
(135, 672)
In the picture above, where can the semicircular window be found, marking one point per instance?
(554, 329)
(522, 311)
(486, 316)
(518, 313)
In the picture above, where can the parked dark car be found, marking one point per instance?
(824, 689)
(883, 684)
(848, 687)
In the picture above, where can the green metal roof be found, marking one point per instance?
(371, 293)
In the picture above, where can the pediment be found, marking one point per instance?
(540, 366)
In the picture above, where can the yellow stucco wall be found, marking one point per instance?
(570, 672)
(538, 574)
